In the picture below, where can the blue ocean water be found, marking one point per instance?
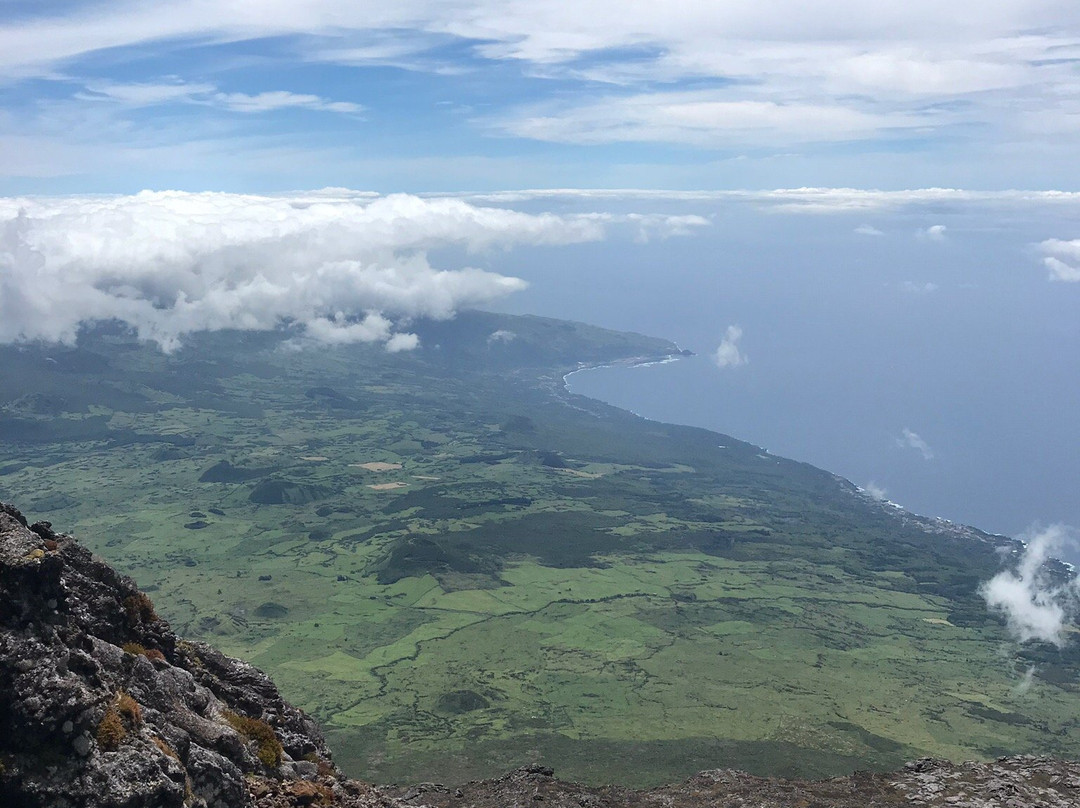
(942, 371)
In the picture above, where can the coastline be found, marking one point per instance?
(632, 362)
(931, 524)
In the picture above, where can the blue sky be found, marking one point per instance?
(416, 95)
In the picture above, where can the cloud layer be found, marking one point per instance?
(1034, 606)
(993, 79)
(810, 200)
(340, 267)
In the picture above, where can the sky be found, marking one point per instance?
(455, 95)
(861, 217)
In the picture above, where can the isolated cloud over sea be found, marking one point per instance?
(935, 232)
(913, 440)
(1062, 258)
(1035, 605)
(340, 266)
(727, 354)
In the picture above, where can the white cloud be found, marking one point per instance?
(502, 335)
(341, 330)
(1062, 258)
(805, 200)
(657, 225)
(1026, 681)
(402, 342)
(868, 230)
(874, 490)
(280, 99)
(912, 440)
(727, 354)
(1035, 606)
(935, 232)
(795, 70)
(919, 288)
(709, 118)
(154, 94)
(145, 94)
(344, 266)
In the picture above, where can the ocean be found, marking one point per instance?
(921, 354)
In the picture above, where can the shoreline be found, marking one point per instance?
(934, 524)
(632, 362)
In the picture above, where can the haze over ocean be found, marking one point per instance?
(921, 351)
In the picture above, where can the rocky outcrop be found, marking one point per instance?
(1013, 782)
(101, 705)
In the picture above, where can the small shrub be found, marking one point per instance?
(304, 792)
(269, 747)
(129, 710)
(110, 730)
(166, 750)
(136, 649)
(139, 609)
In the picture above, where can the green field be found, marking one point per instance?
(458, 567)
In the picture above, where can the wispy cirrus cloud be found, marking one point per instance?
(709, 118)
(141, 95)
(281, 99)
(910, 439)
(715, 75)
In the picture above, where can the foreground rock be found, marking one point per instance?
(102, 705)
(1015, 782)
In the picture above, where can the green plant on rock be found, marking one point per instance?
(269, 749)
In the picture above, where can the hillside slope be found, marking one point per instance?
(102, 706)
(458, 567)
